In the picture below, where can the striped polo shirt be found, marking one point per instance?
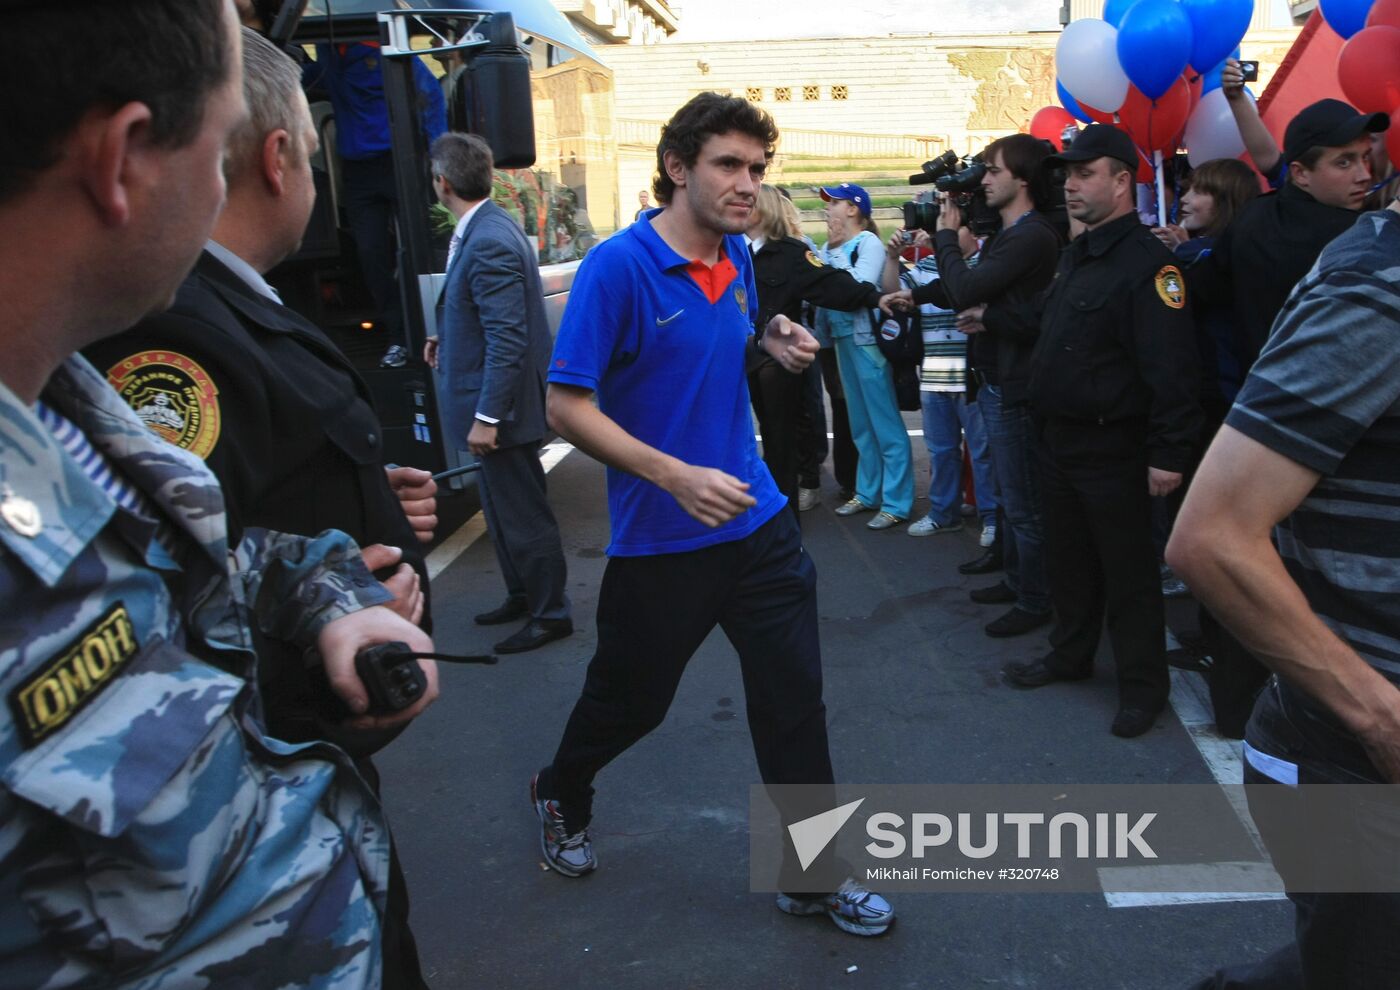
(944, 368)
(1325, 393)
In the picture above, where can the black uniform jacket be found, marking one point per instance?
(1260, 257)
(1117, 342)
(278, 414)
(273, 407)
(788, 274)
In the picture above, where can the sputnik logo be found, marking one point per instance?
(811, 835)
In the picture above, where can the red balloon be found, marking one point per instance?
(1369, 69)
(1392, 142)
(1384, 12)
(1146, 174)
(1155, 125)
(1049, 123)
(1096, 115)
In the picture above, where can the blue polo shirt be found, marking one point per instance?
(668, 367)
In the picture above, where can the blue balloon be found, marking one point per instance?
(1216, 28)
(1071, 104)
(1346, 17)
(1114, 10)
(1154, 45)
(1211, 80)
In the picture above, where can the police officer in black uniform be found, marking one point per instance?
(1113, 383)
(788, 274)
(278, 413)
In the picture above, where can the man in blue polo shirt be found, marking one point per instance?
(658, 323)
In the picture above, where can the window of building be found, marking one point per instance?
(783, 94)
(754, 94)
(838, 92)
(811, 92)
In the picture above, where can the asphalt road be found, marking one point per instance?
(914, 696)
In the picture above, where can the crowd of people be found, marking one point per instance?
(188, 801)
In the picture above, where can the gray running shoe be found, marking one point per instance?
(852, 908)
(571, 855)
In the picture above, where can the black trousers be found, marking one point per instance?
(1099, 555)
(812, 447)
(1342, 941)
(844, 457)
(653, 614)
(777, 402)
(371, 199)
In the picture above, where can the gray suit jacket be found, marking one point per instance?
(494, 342)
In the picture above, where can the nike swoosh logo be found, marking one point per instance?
(670, 319)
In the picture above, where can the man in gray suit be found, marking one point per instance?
(493, 357)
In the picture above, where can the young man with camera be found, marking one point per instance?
(1014, 266)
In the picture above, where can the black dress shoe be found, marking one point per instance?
(1015, 623)
(1130, 722)
(535, 634)
(514, 608)
(998, 594)
(1035, 674)
(988, 563)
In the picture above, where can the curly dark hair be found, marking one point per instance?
(699, 120)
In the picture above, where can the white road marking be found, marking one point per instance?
(470, 531)
(1224, 758)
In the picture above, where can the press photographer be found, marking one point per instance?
(1015, 265)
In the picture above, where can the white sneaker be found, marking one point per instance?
(927, 527)
(989, 535)
(808, 498)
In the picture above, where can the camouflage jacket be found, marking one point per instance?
(151, 833)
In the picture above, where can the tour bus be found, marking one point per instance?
(517, 73)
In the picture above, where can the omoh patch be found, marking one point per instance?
(814, 261)
(53, 694)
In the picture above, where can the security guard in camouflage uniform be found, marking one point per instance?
(276, 411)
(151, 832)
(1113, 383)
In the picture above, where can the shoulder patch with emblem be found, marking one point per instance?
(814, 261)
(52, 695)
(173, 396)
(1171, 287)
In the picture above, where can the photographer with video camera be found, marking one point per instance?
(1015, 265)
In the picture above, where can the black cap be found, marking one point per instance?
(1099, 141)
(1328, 124)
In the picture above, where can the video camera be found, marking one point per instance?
(961, 178)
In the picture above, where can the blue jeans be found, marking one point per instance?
(1011, 437)
(947, 416)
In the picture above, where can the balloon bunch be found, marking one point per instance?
(1369, 64)
(1152, 69)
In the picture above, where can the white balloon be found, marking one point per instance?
(1211, 131)
(1086, 60)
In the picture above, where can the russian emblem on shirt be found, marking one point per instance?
(173, 396)
(742, 298)
(1171, 287)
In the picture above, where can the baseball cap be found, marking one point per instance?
(851, 192)
(1328, 124)
(1098, 141)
